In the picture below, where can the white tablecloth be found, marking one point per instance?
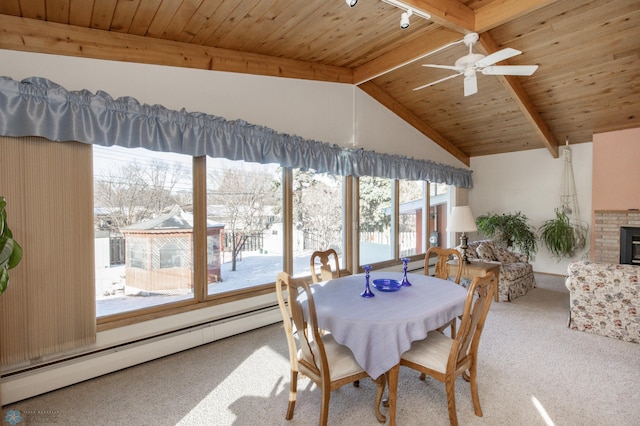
(378, 330)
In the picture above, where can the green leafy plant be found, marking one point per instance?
(561, 237)
(512, 229)
(10, 250)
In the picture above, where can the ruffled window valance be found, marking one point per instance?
(38, 107)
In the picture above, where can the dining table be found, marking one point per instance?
(379, 329)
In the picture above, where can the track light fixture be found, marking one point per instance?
(408, 11)
(404, 19)
(411, 10)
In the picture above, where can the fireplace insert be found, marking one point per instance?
(630, 245)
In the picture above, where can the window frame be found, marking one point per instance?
(395, 225)
(351, 204)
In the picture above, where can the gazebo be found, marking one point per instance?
(160, 253)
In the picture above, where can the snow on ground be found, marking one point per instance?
(254, 269)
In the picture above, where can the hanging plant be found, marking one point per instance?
(561, 237)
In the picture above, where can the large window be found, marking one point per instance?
(147, 240)
(439, 196)
(244, 224)
(377, 216)
(318, 217)
(412, 218)
(143, 229)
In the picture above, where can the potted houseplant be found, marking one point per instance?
(562, 237)
(10, 250)
(512, 229)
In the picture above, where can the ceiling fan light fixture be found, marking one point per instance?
(351, 3)
(404, 19)
(471, 63)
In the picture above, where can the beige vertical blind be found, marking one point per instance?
(49, 305)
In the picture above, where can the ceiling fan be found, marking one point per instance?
(472, 62)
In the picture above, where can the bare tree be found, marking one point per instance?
(246, 198)
(135, 191)
(317, 208)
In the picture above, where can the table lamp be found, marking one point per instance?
(461, 220)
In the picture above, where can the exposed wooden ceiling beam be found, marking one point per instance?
(513, 85)
(383, 97)
(499, 12)
(449, 13)
(460, 18)
(408, 53)
(454, 16)
(32, 35)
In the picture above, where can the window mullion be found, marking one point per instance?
(287, 206)
(200, 228)
(395, 219)
(349, 225)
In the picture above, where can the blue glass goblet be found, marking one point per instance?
(405, 280)
(367, 290)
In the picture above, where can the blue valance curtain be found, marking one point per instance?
(39, 107)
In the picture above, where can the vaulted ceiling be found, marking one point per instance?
(588, 53)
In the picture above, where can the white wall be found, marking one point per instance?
(328, 112)
(379, 130)
(530, 182)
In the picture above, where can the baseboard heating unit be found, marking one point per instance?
(20, 385)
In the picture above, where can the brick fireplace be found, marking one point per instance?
(606, 233)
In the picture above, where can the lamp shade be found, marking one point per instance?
(461, 220)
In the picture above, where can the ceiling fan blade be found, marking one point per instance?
(444, 67)
(438, 81)
(470, 85)
(510, 70)
(498, 56)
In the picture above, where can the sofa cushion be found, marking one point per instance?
(485, 252)
(472, 251)
(503, 255)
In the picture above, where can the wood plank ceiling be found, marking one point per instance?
(588, 80)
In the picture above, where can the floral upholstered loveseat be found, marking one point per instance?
(516, 273)
(604, 299)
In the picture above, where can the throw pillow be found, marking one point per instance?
(485, 252)
(471, 254)
(504, 256)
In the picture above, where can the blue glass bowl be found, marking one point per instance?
(385, 284)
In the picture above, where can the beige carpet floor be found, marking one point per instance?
(532, 371)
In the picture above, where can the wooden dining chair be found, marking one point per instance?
(445, 358)
(443, 271)
(442, 267)
(329, 267)
(328, 263)
(327, 363)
